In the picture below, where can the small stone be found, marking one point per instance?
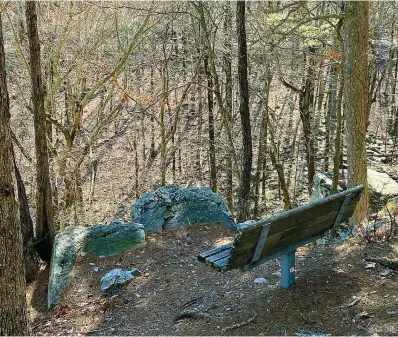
(118, 278)
(260, 280)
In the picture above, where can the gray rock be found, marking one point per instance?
(65, 249)
(117, 278)
(115, 238)
(382, 188)
(322, 186)
(171, 207)
(107, 240)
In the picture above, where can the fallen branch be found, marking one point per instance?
(191, 314)
(100, 330)
(236, 326)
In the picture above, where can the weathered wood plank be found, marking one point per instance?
(286, 231)
(202, 256)
(219, 256)
(245, 245)
(296, 217)
(242, 254)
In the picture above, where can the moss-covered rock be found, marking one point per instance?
(65, 249)
(173, 207)
(115, 238)
(107, 240)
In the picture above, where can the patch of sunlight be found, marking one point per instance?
(222, 241)
(347, 248)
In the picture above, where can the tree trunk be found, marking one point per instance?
(13, 308)
(31, 259)
(45, 229)
(228, 96)
(261, 146)
(212, 145)
(339, 117)
(356, 98)
(330, 115)
(243, 207)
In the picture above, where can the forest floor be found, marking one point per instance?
(337, 292)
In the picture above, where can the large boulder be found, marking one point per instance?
(115, 238)
(173, 207)
(65, 249)
(382, 188)
(107, 240)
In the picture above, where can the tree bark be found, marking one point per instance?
(212, 144)
(243, 207)
(45, 229)
(13, 308)
(228, 96)
(31, 259)
(356, 98)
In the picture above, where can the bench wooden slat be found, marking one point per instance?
(221, 264)
(219, 256)
(204, 255)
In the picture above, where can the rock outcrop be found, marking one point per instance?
(106, 240)
(381, 188)
(173, 207)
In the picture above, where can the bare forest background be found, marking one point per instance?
(105, 101)
(139, 95)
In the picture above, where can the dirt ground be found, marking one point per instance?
(337, 292)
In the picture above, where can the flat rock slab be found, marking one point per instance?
(113, 239)
(65, 249)
(106, 240)
(173, 207)
(382, 183)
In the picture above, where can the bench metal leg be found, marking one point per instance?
(288, 270)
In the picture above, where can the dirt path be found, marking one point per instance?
(178, 295)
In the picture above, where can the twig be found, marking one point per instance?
(354, 302)
(104, 329)
(187, 304)
(235, 326)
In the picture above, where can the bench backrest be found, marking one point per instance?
(257, 240)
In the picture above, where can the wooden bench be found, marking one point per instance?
(280, 235)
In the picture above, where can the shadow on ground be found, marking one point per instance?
(178, 295)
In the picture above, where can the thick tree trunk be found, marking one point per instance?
(45, 229)
(356, 98)
(13, 308)
(31, 259)
(243, 209)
